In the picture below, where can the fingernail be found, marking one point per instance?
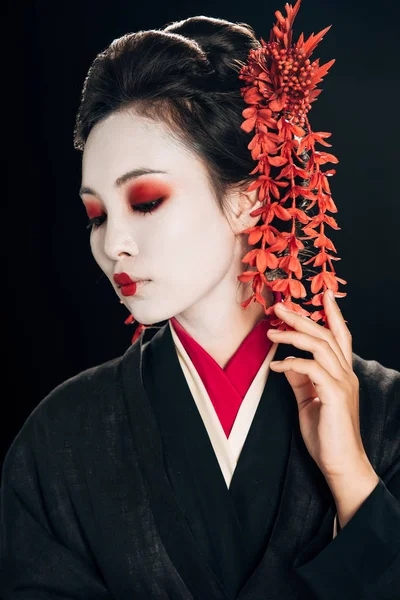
(283, 307)
(331, 295)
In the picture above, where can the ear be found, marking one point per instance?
(242, 203)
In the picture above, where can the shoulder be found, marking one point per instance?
(373, 375)
(379, 387)
(71, 410)
(379, 393)
(77, 393)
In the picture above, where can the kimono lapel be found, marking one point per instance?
(253, 467)
(192, 467)
(174, 533)
(227, 449)
(305, 511)
(226, 389)
(225, 543)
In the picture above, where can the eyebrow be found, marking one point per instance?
(133, 174)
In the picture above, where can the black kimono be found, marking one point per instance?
(112, 490)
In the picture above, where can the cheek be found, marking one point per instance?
(94, 249)
(181, 236)
(96, 246)
(194, 247)
(189, 220)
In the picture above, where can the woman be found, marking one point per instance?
(191, 467)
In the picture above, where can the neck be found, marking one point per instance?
(219, 327)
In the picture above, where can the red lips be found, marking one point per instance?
(128, 286)
(122, 279)
(128, 290)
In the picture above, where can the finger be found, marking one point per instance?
(302, 386)
(306, 325)
(338, 327)
(320, 348)
(316, 372)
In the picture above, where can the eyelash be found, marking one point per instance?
(94, 223)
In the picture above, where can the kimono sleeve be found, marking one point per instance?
(35, 563)
(363, 561)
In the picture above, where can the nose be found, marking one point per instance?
(118, 241)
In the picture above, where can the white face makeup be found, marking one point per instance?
(186, 247)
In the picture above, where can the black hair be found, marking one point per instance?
(186, 76)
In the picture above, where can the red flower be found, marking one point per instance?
(280, 89)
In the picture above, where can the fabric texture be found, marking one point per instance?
(100, 500)
(232, 393)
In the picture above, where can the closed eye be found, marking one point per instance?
(146, 209)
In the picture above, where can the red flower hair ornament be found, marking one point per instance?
(280, 88)
(281, 85)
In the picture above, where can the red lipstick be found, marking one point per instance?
(127, 284)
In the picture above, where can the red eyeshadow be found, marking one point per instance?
(142, 192)
(92, 209)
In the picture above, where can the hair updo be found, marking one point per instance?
(186, 76)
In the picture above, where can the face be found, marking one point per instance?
(185, 247)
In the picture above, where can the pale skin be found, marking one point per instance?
(192, 254)
(327, 394)
(190, 250)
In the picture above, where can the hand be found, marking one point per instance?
(326, 390)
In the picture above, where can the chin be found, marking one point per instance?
(151, 319)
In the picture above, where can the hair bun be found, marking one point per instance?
(222, 41)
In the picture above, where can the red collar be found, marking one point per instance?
(227, 387)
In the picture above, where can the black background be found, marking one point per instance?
(61, 314)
